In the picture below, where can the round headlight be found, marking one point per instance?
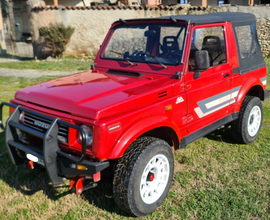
(89, 136)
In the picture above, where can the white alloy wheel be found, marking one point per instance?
(154, 178)
(254, 120)
(143, 176)
(246, 128)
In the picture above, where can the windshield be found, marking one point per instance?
(159, 43)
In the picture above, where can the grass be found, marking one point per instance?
(9, 85)
(215, 178)
(63, 64)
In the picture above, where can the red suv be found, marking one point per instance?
(155, 83)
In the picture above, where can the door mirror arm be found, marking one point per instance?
(196, 74)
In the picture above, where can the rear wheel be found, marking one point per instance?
(143, 176)
(247, 127)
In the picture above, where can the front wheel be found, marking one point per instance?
(143, 176)
(247, 127)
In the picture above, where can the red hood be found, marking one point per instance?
(97, 95)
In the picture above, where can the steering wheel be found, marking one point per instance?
(222, 61)
(175, 55)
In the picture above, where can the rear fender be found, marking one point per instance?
(138, 129)
(244, 90)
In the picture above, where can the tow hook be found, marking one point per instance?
(76, 184)
(29, 165)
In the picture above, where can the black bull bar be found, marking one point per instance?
(58, 163)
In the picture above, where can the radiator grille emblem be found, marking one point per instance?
(41, 124)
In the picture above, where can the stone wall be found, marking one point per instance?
(263, 27)
(78, 2)
(92, 23)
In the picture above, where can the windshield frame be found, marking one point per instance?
(162, 23)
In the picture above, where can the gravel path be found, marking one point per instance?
(32, 73)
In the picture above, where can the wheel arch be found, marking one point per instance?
(165, 133)
(253, 87)
(155, 126)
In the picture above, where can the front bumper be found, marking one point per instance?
(58, 163)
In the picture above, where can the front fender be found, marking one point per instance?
(138, 129)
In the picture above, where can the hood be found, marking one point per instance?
(97, 95)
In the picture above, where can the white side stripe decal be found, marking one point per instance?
(201, 114)
(217, 102)
(263, 80)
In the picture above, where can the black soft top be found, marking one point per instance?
(254, 59)
(213, 17)
(249, 50)
(207, 18)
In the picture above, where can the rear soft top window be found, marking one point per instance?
(249, 50)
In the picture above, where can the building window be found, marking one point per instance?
(183, 1)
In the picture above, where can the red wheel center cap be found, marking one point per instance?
(152, 177)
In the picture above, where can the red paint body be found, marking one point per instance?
(135, 105)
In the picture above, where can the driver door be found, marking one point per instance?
(209, 96)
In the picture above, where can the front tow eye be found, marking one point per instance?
(29, 165)
(77, 183)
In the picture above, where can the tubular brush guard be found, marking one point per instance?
(57, 163)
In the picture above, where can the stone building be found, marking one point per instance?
(21, 19)
(205, 3)
(15, 32)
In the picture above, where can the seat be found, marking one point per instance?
(215, 49)
(170, 46)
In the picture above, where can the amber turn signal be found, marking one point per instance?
(81, 167)
(168, 107)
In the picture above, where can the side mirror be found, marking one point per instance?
(202, 60)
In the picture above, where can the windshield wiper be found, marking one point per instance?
(154, 58)
(123, 56)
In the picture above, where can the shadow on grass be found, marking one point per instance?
(30, 182)
(222, 134)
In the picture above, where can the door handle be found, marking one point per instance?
(226, 75)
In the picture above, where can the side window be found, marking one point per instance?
(210, 39)
(244, 35)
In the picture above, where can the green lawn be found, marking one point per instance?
(215, 178)
(63, 64)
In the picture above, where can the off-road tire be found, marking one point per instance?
(128, 175)
(239, 127)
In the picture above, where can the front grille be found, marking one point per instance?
(42, 124)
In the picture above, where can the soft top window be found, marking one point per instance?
(249, 51)
(244, 35)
